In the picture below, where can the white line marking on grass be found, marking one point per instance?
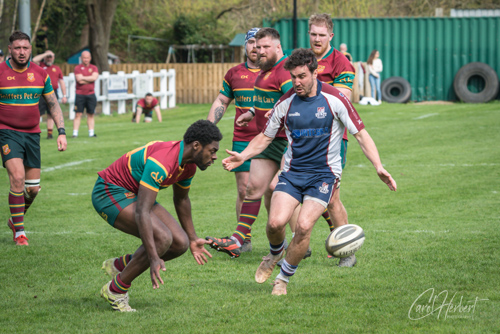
(232, 117)
(424, 116)
(69, 164)
(423, 231)
(77, 194)
(436, 165)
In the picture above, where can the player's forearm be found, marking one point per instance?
(345, 91)
(55, 110)
(144, 225)
(369, 148)
(158, 113)
(63, 87)
(183, 210)
(218, 109)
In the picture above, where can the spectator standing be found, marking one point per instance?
(343, 48)
(375, 67)
(46, 61)
(85, 74)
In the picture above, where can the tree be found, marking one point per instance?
(100, 16)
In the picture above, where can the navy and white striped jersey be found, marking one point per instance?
(314, 127)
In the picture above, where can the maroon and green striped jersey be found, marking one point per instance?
(20, 92)
(270, 86)
(156, 165)
(336, 70)
(238, 85)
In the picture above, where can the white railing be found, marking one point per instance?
(114, 87)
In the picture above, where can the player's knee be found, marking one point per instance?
(31, 188)
(163, 241)
(302, 232)
(275, 224)
(180, 244)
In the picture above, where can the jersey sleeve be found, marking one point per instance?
(47, 89)
(346, 77)
(226, 86)
(185, 184)
(154, 174)
(278, 113)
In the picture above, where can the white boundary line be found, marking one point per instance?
(69, 164)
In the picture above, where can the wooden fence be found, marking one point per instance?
(194, 83)
(199, 83)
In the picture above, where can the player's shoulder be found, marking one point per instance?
(94, 68)
(341, 60)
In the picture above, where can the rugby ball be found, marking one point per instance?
(345, 240)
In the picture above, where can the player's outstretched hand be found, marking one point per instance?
(244, 119)
(199, 251)
(155, 266)
(62, 144)
(387, 179)
(233, 161)
(268, 114)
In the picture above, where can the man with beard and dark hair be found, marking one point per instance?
(125, 197)
(22, 83)
(46, 61)
(272, 82)
(314, 116)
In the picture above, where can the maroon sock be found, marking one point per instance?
(249, 212)
(117, 286)
(16, 206)
(122, 261)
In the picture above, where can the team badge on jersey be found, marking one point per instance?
(31, 77)
(53, 69)
(324, 188)
(320, 113)
(5, 149)
(129, 195)
(341, 94)
(321, 68)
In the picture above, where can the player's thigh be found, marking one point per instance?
(262, 172)
(180, 240)
(310, 212)
(282, 207)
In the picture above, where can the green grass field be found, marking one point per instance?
(438, 231)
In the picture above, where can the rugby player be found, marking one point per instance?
(22, 83)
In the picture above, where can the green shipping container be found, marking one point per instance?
(426, 51)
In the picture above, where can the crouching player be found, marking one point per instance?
(125, 196)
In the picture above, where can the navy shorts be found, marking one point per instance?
(318, 187)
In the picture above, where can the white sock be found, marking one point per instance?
(75, 133)
(235, 240)
(91, 133)
(18, 233)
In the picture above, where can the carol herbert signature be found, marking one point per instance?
(430, 303)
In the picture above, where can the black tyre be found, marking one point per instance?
(396, 90)
(476, 83)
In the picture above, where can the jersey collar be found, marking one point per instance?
(328, 53)
(19, 71)
(181, 152)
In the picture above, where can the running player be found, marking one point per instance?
(272, 82)
(125, 193)
(314, 116)
(145, 106)
(22, 83)
(238, 85)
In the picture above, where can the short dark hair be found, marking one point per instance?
(18, 35)
(202, 131)
(301, 57)
(149, 94)
(267, 32)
